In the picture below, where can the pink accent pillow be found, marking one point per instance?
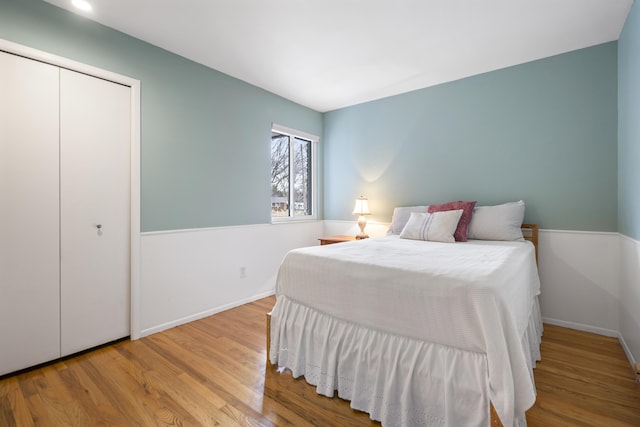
(462, 231)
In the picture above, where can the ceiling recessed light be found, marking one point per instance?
(82, 5)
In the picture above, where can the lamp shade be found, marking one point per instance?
(361, 207)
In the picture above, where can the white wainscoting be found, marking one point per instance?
(191, 274)
(590, 281)
(629, 319)
(579, 275)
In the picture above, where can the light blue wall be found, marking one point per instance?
(544, 131)
(629, 126)
(205, 135)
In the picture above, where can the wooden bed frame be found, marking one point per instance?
(529, 232)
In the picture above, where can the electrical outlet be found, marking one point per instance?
(243, 272)
(637, 368)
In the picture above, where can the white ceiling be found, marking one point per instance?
(328, 54)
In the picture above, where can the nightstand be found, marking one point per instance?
(335, 239)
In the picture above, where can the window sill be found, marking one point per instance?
(293, 220)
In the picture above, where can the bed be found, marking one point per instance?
(413, 332)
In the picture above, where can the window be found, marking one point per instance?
(293, 186)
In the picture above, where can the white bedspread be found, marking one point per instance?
(440, 327)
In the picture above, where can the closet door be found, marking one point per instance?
(29, 213)
(94, 194)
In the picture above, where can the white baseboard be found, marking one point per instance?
(595, 330)
(203, 314)
(627, 350)
(581, 327)
(630, 297)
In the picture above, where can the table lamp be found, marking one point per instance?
(361, 208)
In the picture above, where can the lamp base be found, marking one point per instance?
(362, 222)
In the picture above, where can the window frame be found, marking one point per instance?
(314, 140)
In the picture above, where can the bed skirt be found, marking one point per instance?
(397, 380)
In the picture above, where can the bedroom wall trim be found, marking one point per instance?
(205, 313)
(194, 273)
(579, 275)
(629, 314)
(202, 229)
(581, 327)
(627, 350)
(190, 274)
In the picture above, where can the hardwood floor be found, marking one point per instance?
(583, 379)
(212, 373)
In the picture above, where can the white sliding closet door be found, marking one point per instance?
(29, 213)
(95, 134)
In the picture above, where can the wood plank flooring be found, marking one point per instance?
(212, 373)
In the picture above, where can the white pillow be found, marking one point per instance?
(435, 227)
(401, 216)
(500, 222)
